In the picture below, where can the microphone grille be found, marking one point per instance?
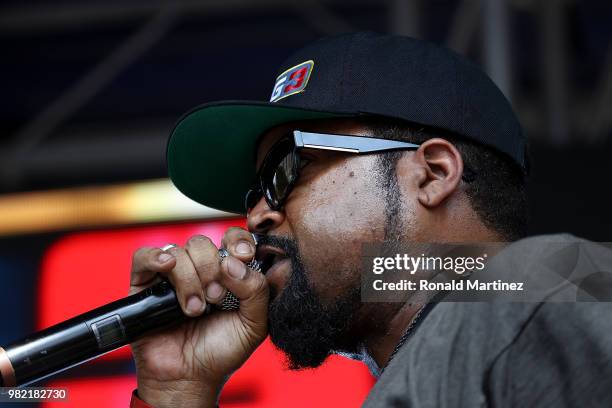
(229, 302)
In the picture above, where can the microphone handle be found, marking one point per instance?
(90, 335)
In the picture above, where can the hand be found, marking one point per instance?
(187, 365)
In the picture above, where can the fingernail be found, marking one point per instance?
(164, 257)
(194, 305)
(243, 247)
(214, 290)
(235, 268)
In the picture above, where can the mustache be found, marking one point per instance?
(287, 245)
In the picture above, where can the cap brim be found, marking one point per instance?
(212, 150)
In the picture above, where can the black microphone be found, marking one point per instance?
(95, 333)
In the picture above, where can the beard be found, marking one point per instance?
(300, 324)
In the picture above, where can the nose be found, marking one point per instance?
(262, 218)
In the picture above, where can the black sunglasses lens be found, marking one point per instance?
(283, 178)
(252, 198)
(279, 173)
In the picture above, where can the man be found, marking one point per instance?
(441, 158)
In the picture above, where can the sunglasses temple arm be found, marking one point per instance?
(357, 144)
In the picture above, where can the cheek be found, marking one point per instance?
(338, 211)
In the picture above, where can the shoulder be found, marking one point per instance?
(562, 357)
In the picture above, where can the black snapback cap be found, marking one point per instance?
(211, 151)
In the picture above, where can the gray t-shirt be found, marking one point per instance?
(524, 354)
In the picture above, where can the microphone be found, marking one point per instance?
(97, 332)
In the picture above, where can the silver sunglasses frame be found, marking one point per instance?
(340, 143)
(347, 143)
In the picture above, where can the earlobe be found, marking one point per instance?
(443, 165)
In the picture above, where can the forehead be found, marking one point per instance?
(334, 126)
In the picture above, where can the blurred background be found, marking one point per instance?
(91, 90)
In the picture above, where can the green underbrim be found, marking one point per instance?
(212, 150)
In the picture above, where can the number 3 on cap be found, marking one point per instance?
(292, 81)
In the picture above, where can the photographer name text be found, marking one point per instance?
(455, 285)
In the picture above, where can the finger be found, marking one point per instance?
(239, 243)
(147, 262)
(187, 284)
(215, 293)
(205, 258)
(251, 288)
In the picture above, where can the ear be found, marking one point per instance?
(441, 169)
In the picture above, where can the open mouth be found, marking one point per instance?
(268, 256)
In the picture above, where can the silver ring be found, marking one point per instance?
(168, 246)
(253, 264)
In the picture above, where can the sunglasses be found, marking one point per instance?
(281, 166)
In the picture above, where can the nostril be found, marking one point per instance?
(265, 224)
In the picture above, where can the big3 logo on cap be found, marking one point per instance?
(292, 81)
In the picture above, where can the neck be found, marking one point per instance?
(381, 346)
